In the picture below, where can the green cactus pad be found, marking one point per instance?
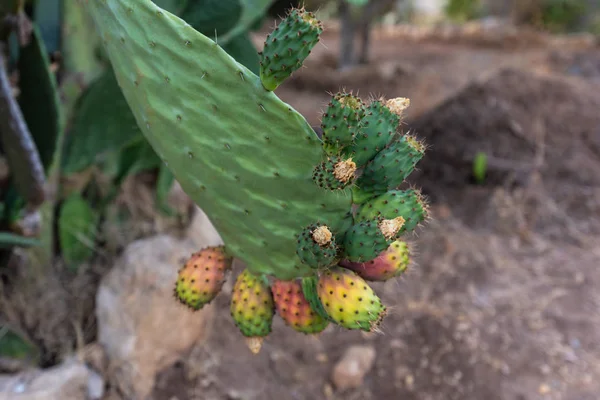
(340, 122)
(349, 300)
(408, 204)
(367, 239)
(317, 247)
(309, 288)
(377, 129)
(287, 47)
(334, 173)
(252, 307)
(244, 156)
(391, 166)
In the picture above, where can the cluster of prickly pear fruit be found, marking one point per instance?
(313, 219)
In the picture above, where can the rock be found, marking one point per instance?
(140, 325)
(351, 369)
(69, 380)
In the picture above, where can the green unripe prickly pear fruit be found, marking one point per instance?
(367, 239)
(408, 204)
(202, 277)
(340, 122)
(391, 166)
(391, 263)
(294, 309)
(252, 308)
(335, 173)
(377, 129)
(317, 247)
(287, 47)
(349, 300)
(309, 288)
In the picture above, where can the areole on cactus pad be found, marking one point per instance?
(282, 200)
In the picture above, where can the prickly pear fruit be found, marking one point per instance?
(334, 173)
(317, 247)
(309, 288)
(287, 47)
(252, 308)
(389, 264)
(202, 277)
(408, 204)
(294, 309)
(377, 129)
(367, 239)
(340, 122)
(349, 300)
(391, 166)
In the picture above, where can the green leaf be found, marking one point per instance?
(76, 230)
(103, 125)
(39, 99)
(480, 167)
(242, 49)
(13, 345)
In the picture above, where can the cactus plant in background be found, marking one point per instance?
(283, 200)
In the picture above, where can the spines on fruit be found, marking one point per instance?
(391, 166)
(368, 238)
(202, 277)
(252, 308)
(349, 300)
(295, 310)
(317, 246)
(340, 122)
(287, 47)
(409, 204)
(391, 263)
(335, 173)
(377, 129)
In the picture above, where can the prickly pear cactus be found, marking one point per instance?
(291, 206)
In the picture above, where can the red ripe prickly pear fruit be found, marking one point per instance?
(252, 308)
(391, 263)
(202, 277)
(294, 309)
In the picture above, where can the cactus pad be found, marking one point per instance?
(287, 47)
(349, 300)
(252, 307)
(377, 129)
(294, 309)
(391, 166)
(202, 277)
(317, 247)
(340, 122)
(244, 156)
(334, 173)
(367, 239)
(389, 264)
(408, 204)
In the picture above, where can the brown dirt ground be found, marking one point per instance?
(502, 301)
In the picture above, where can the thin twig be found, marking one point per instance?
(21, 152)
